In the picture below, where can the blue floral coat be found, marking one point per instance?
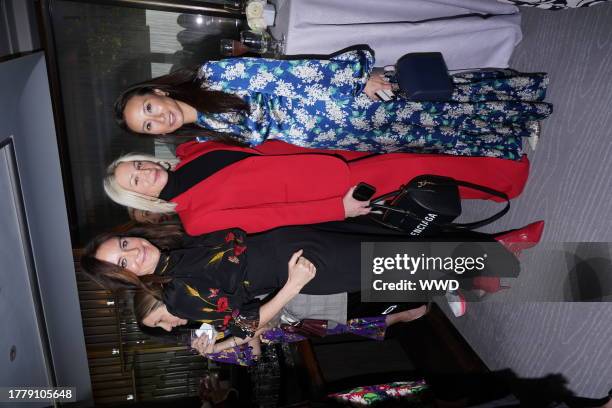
(321, 104)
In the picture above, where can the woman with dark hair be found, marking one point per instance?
(152, 314)
(214, 186)
(117, 277)
(179, 84)
(333, 104)
(217, 277)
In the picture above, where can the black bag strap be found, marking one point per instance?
(468, 225)
(494, 217)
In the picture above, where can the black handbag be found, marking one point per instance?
(429, 204)
(423, 76)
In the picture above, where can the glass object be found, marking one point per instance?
(261, 42)
(256, 42)
(192, 336)
(278, 45)
(233, 5)
(205, 330)
(232, 48)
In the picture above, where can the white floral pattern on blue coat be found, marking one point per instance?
(321, 104)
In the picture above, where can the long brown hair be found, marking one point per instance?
(184, 85)
(144, 303)
(115, 278)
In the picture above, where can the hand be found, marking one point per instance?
(353, 207)
(301, 271)
(375, 83)
(203, 345)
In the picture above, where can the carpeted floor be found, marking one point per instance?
(570, 187)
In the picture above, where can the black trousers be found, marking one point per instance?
(335, 250)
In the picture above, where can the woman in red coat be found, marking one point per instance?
(216, 186)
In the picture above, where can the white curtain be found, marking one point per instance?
(392, 29)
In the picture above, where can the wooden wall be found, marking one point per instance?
(124, 363)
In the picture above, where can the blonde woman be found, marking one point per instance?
(214, 186)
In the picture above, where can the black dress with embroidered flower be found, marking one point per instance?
(208, 282)
(216, 279)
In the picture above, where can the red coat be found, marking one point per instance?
(291, 185)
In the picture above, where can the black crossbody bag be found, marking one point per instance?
(429, 204)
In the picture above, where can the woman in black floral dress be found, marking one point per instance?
(217, 277)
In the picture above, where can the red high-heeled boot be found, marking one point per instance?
(523, 238)
(515, 241)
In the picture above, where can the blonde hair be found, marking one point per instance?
(132, 199)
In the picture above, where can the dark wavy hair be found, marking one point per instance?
(184, 85)
(144, 303)
(115, 278)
